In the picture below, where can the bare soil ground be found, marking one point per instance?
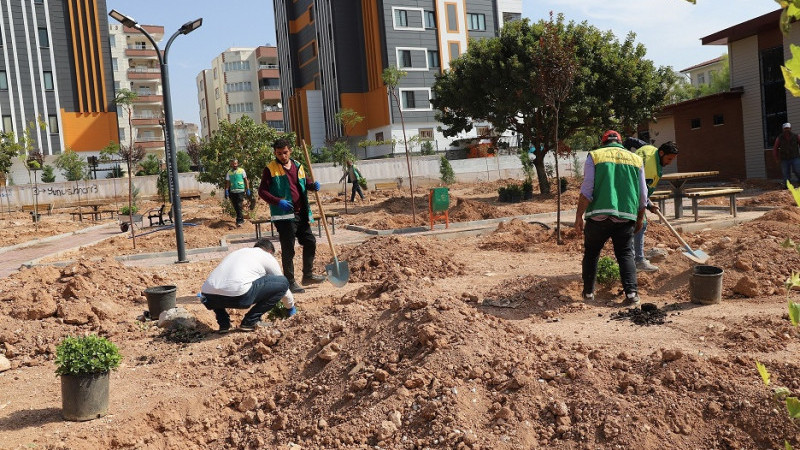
(478, 342)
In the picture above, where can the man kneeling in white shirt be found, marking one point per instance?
(247, 277)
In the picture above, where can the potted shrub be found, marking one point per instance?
(503, 195)
(563, 184)
(84, 364)
(515, 193)
(527, 189)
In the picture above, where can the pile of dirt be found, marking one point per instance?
(516, 236)
(393, 258)
(647, 314)
(467, 210)
(770, 198)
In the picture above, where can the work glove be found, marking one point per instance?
(285, 205)
(316, 185)
(226, 193)
(291, 312)
(248, 192)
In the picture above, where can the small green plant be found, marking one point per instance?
(576, 166)
(527, 189)
(86, 355)
(426, 148)
(607, 271)
(279, 311)
(448, 175)
(125, 210)
(362, 182)
(47, 174)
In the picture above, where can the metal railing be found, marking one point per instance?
(267, 66)
(144, 69)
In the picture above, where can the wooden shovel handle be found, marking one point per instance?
(319, 203)
(664, 219)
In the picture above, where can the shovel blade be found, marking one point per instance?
(698, 256)
(338, 273)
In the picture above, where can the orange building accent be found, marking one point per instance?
(301, 22)
(89, 131)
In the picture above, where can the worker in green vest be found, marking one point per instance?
(236, 187)
(613, 197)
(654, 159)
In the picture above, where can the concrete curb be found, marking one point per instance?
(473, 225)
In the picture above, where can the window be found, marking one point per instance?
(3, 81)
(117, 85)
(44, 40)
(114, 64)
(219, 114)
(140, 45)
(476, 22)
(430, 19)
(482, 131)
(719, 119)
(48, 81)
(121, 134)
(8, 125)
(404, 59)
(236, 65)
(455, 50)
(112, 40)
(773, 93)
(426, 133)
(408, 100)
(215, 73)
(695, 123)
(52, 120)
(379, 136)
(452, 17)
(238, 86)
(701, 78)
(38, 2)
(216, 93)
(401, 18)
(235, 108)
(433, 59)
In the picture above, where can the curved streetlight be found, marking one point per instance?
(172, 169)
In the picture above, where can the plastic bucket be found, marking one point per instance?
(160, 298)
(705, 285)
(84, 397)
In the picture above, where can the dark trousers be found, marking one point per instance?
(595, 235)
(288, 231)
(356, 188)
(237, 199)
(263, 295)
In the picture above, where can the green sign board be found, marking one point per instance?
(440, 199)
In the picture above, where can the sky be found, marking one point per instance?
(670, 30)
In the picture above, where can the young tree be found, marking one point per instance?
(184, 162)
(556, 68)
(348, 118)
(448, 176)
(9, 149)
(193, 150)
(125, 98)
(47, 174)
(616, 87)
(391, 78)
(72, 165)
(150, 165)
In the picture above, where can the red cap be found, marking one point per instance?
(611, 135)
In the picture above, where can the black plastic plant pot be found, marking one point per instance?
(160, 298)
(84, 397)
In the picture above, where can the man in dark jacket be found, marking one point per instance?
(786, 152)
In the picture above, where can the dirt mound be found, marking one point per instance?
(516, 236)
(788, 214)
(467, 210)
(769, 198)
(393, 257)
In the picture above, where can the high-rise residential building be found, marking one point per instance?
(136, 67)
(55, 74)
(332, 59)
(184, 133)
(241, 81)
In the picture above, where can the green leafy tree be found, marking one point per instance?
(245, 140)
(494, 81)
(348, 118)
(184, 162)
(47, 174)
(124, 98)
(391, 78)
(150, 165)
(9, 149)
(426, 148)
(72, 165)
(193, 150)
(448, 176)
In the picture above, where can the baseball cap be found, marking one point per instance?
(787, 125)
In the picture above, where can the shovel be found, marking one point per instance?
(698, 256)
(339, 271)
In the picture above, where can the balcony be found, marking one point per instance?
(271, 116)
(267, 73)
(144, 73)
(270, 93)
(266, 52)
(139, 121)
(149, 143)
(140, 53)
(149, 98)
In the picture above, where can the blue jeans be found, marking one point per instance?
(263, 295)
(595, 235)
(638, 243)
(787, 167)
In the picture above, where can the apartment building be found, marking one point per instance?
(333, 58)
(700, 74)
(241, 82)
(55, 75)
(184, 133)
(135, 64)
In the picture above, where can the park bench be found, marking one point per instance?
(260, 221)
(158, 215)
(84, 215)
(190, 195)
(331, 216)
(698, 194)
(389, 186)
(41, 207)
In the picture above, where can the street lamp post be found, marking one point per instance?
(186, 28)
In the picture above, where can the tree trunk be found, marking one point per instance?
(558, 185)
(541, 175)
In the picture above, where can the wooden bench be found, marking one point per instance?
(190, 195)
(696, 195)
(261, 221)
(331, 216)
(41, 207)
(390, 186)
(85, 215)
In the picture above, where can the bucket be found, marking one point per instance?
(160, 298)
(706, 285)
(84, 397)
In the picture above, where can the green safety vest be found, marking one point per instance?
(279, 187)
(616, 183)
(652, 166)
(236, 178)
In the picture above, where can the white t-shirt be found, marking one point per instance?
(237, 271)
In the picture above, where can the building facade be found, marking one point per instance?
(135, 64)
(184, 133)
(701, 74)
(241, 82)
(333, 58)
(56, 75)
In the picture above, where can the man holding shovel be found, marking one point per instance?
(285, 187)
(613, 196)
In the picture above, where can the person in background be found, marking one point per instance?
(786, 152)
(613, 196)
(353, 176)
(236, 187)
(654, 160)
(285, 187)
(247, 278)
